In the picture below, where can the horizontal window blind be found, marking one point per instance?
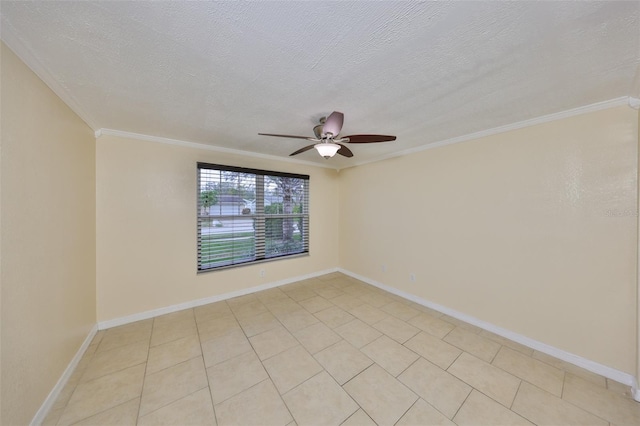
(250, 215)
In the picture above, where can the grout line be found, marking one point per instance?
(408, 409)
(453, 362)
(496, 355)
(408, 366)
(516, 394)
(463, 402)
(262, 361)
(206, 373)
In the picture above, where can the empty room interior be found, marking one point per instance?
(319, 213)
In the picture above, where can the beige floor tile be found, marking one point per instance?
(98, 337)
(174, 317)
(543, 409)
(480, 410)
(300, 294)
(433, 349)
(192, 410)
(225, 347)
(400, 310)
(439, 388)
(108, 387)
(320, 401)
(249, 309)
(432, 325)
(375, 299)
(425, 309)
(271, 295)
(506, 342)
(112, 360)
(358, 333)
(212, 311)
(103, 393)
(359, 418)
(481, 347)
(172, 353)
(346, 301)
(488, 379)
(316, 337)
(368, 313)
(329, 292)
(167, 331)
(383, 397)
(272, 342)
(334, 317)
(69, 387)
(461, 324)
(213, 329)
(258, 405)
(283, 307)
(233, 376)
(257, 324)
(122, 415)
(298, 320)
(241, 300)
(126, 334)
(390, 355)
(600, 401)
(315, 304)
(571, 368)
(422, 413)
(619, 388)
(397, 329)
(331, 276)
(171, 384)
(533, 371)
(290, 368)
(89, 352)
(355, 289)
(52, 417)
(343, 361)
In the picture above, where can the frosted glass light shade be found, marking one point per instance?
(327, 149)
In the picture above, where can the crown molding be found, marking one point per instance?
(119, 133)
(599, 106)
(26, 55)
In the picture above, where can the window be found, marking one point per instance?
(248, 215)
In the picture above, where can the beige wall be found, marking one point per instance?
(48, 238)
(532, 230)
(146, 227)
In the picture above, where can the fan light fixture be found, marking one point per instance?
(327, 149)
(327, 141)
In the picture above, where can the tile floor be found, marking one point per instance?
(327, 351)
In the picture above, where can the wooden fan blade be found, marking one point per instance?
(283, 136)
(345, 151)
(333, 124)
(369, 138)
(301, 150)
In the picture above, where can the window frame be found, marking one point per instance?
(259, 217)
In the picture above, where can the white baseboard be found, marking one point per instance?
(594, 367)
(212, 299)
(55, 392)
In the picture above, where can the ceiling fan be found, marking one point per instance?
(327, 141)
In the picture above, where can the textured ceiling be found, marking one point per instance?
(220, 72)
